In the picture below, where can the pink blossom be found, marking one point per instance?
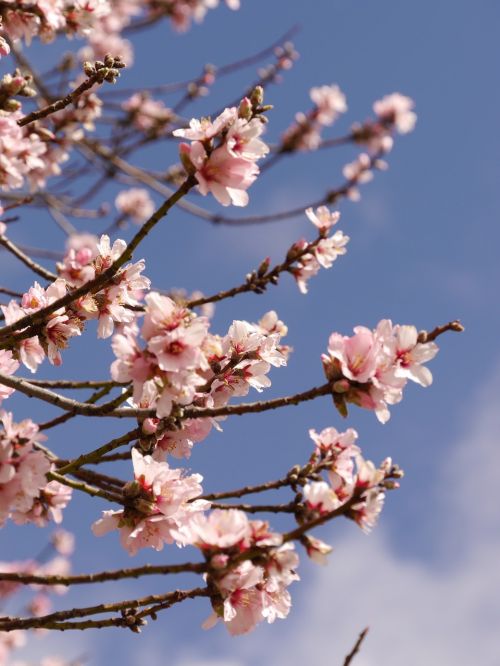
(63, 541)
(316, 549)
(320, 497)
(242, 139)
(220, 529)
(8, 366)
(323, 218)
(135, 203)
(225, 176)
(148, 115)
(411, 354)
(357, 354)
(396, 110)
(330, 101)
(162, 509)
(201, 130)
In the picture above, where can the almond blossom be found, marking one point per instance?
(160, 503)
(305, 132)
(371, 368)
(135, 203)
(8, 366)
(321, 253)
(394, 114)
(248, 593)
(23, 470)
(226, 169)
(352, 484)
(147, 114)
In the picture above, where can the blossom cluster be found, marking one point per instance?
(246, 593)
(223, 154)
(22, 154)
(135, 203)
(371, 368)
(349, 476)
(182, 363)
(30, 156)
(159, 501)
(147, 115)
(321, 253)
(101, 22)
(394, 113)
(183, 12)
(45, 18)
(25, 495)
(305, 132)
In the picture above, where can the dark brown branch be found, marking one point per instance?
(97, 78)
(27, 261)
(261, 406)
(258, 280)
(103, 576)
(356, 647)
(63, 418)
(258, 508)
(57, 620)
(94, 456)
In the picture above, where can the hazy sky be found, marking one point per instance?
(423, 250)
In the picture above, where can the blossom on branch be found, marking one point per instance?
(223, 153)
(371, 368)
(159, 505)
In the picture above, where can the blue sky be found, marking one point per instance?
(423, 250)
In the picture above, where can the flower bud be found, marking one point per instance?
(11, 105)
(88, 68)
(245, 109)
(184, 155)
(257, 96)
(150, 426)
(264, 267)
(219, 561)
(131, 489)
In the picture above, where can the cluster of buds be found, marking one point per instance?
(12, 85)
(109, 70)
(371, 368)
(285, 56)
(200, 87)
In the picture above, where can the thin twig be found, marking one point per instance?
(27, 261)
(60, 104)
(94, 456)
(57, 620)
(356, 647)
(103, 576)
